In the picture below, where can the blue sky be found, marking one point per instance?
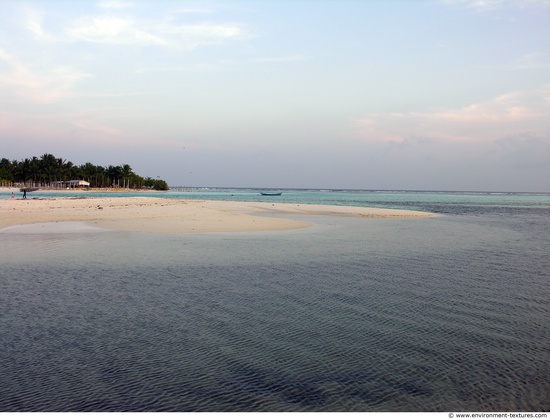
(433, 95)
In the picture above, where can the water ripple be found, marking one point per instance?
(170, 325)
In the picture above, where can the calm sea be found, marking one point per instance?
(437, 314)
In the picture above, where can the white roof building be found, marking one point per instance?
(77, 183)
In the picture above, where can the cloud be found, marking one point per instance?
(193, 10)
(509, 113)
(191, 68)
(487, 5)
(533, 60)
(114, 4)
(524, 150)
(117, 30)
(205, 32)
(112, 30)
(477, 4)
(89, 130)
(114, 25)
(506, 108)
(43, 86)
(98, 128)
(34, 23)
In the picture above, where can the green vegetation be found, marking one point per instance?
(49, 171)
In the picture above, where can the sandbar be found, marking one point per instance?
(178, 216)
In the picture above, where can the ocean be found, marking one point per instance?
(449, 313)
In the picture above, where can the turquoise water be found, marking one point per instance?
(438, 314)
(428, 201)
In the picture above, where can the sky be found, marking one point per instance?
(339, 94)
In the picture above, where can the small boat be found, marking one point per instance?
(271, 193)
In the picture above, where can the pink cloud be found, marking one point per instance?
(48, 86)
(500, 116)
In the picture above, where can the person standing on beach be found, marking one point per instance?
(12, 195)
(24, 194)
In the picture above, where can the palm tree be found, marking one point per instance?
(6, 172)
(126, 172)
(33, 171)
(114, 173)
(48, 167)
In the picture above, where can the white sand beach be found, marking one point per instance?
(161, 215)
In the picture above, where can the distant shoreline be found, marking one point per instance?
(77, 190)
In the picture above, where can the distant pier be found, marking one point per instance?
(181, 188)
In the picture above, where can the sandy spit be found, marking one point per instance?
(161, 215)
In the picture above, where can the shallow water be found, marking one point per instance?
(438, 314)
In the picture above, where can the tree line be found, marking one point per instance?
(49, 171)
